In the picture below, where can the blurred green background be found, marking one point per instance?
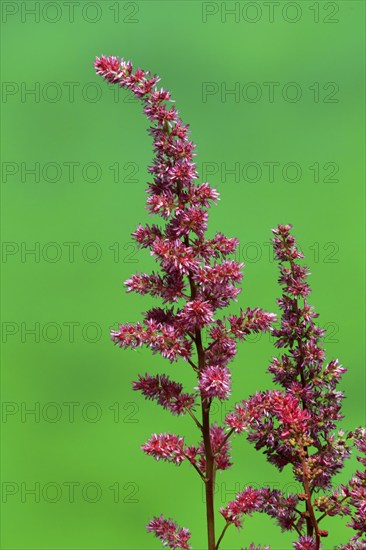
(286, 147)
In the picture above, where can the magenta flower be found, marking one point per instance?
(251, 320)
(169, 447)
(162, 337)
(166, 392)
(215, 382)
(169, 533)
(196, 315)
(256, 415)
(248, 501)
(271, 502)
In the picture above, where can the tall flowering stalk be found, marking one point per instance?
(296, 425)
(196, 280)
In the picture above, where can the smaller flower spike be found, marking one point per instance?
(167, 393)
(248, 501)
(251, 320)
(264, 500)
(297, 424)
(169, 533)
(258, 416)
(169, 447)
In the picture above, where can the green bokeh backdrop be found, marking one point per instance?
(52, 367)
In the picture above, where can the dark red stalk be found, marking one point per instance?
(205, 408)
(312, 525)
(210, 476)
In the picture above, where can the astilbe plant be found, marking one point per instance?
(196, 280)
(296, 425)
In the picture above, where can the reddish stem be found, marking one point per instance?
(205, 427)
(222, 535)
(309, 506)
(210, 462)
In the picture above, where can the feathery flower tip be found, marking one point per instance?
(169, 533)
(167, 447)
